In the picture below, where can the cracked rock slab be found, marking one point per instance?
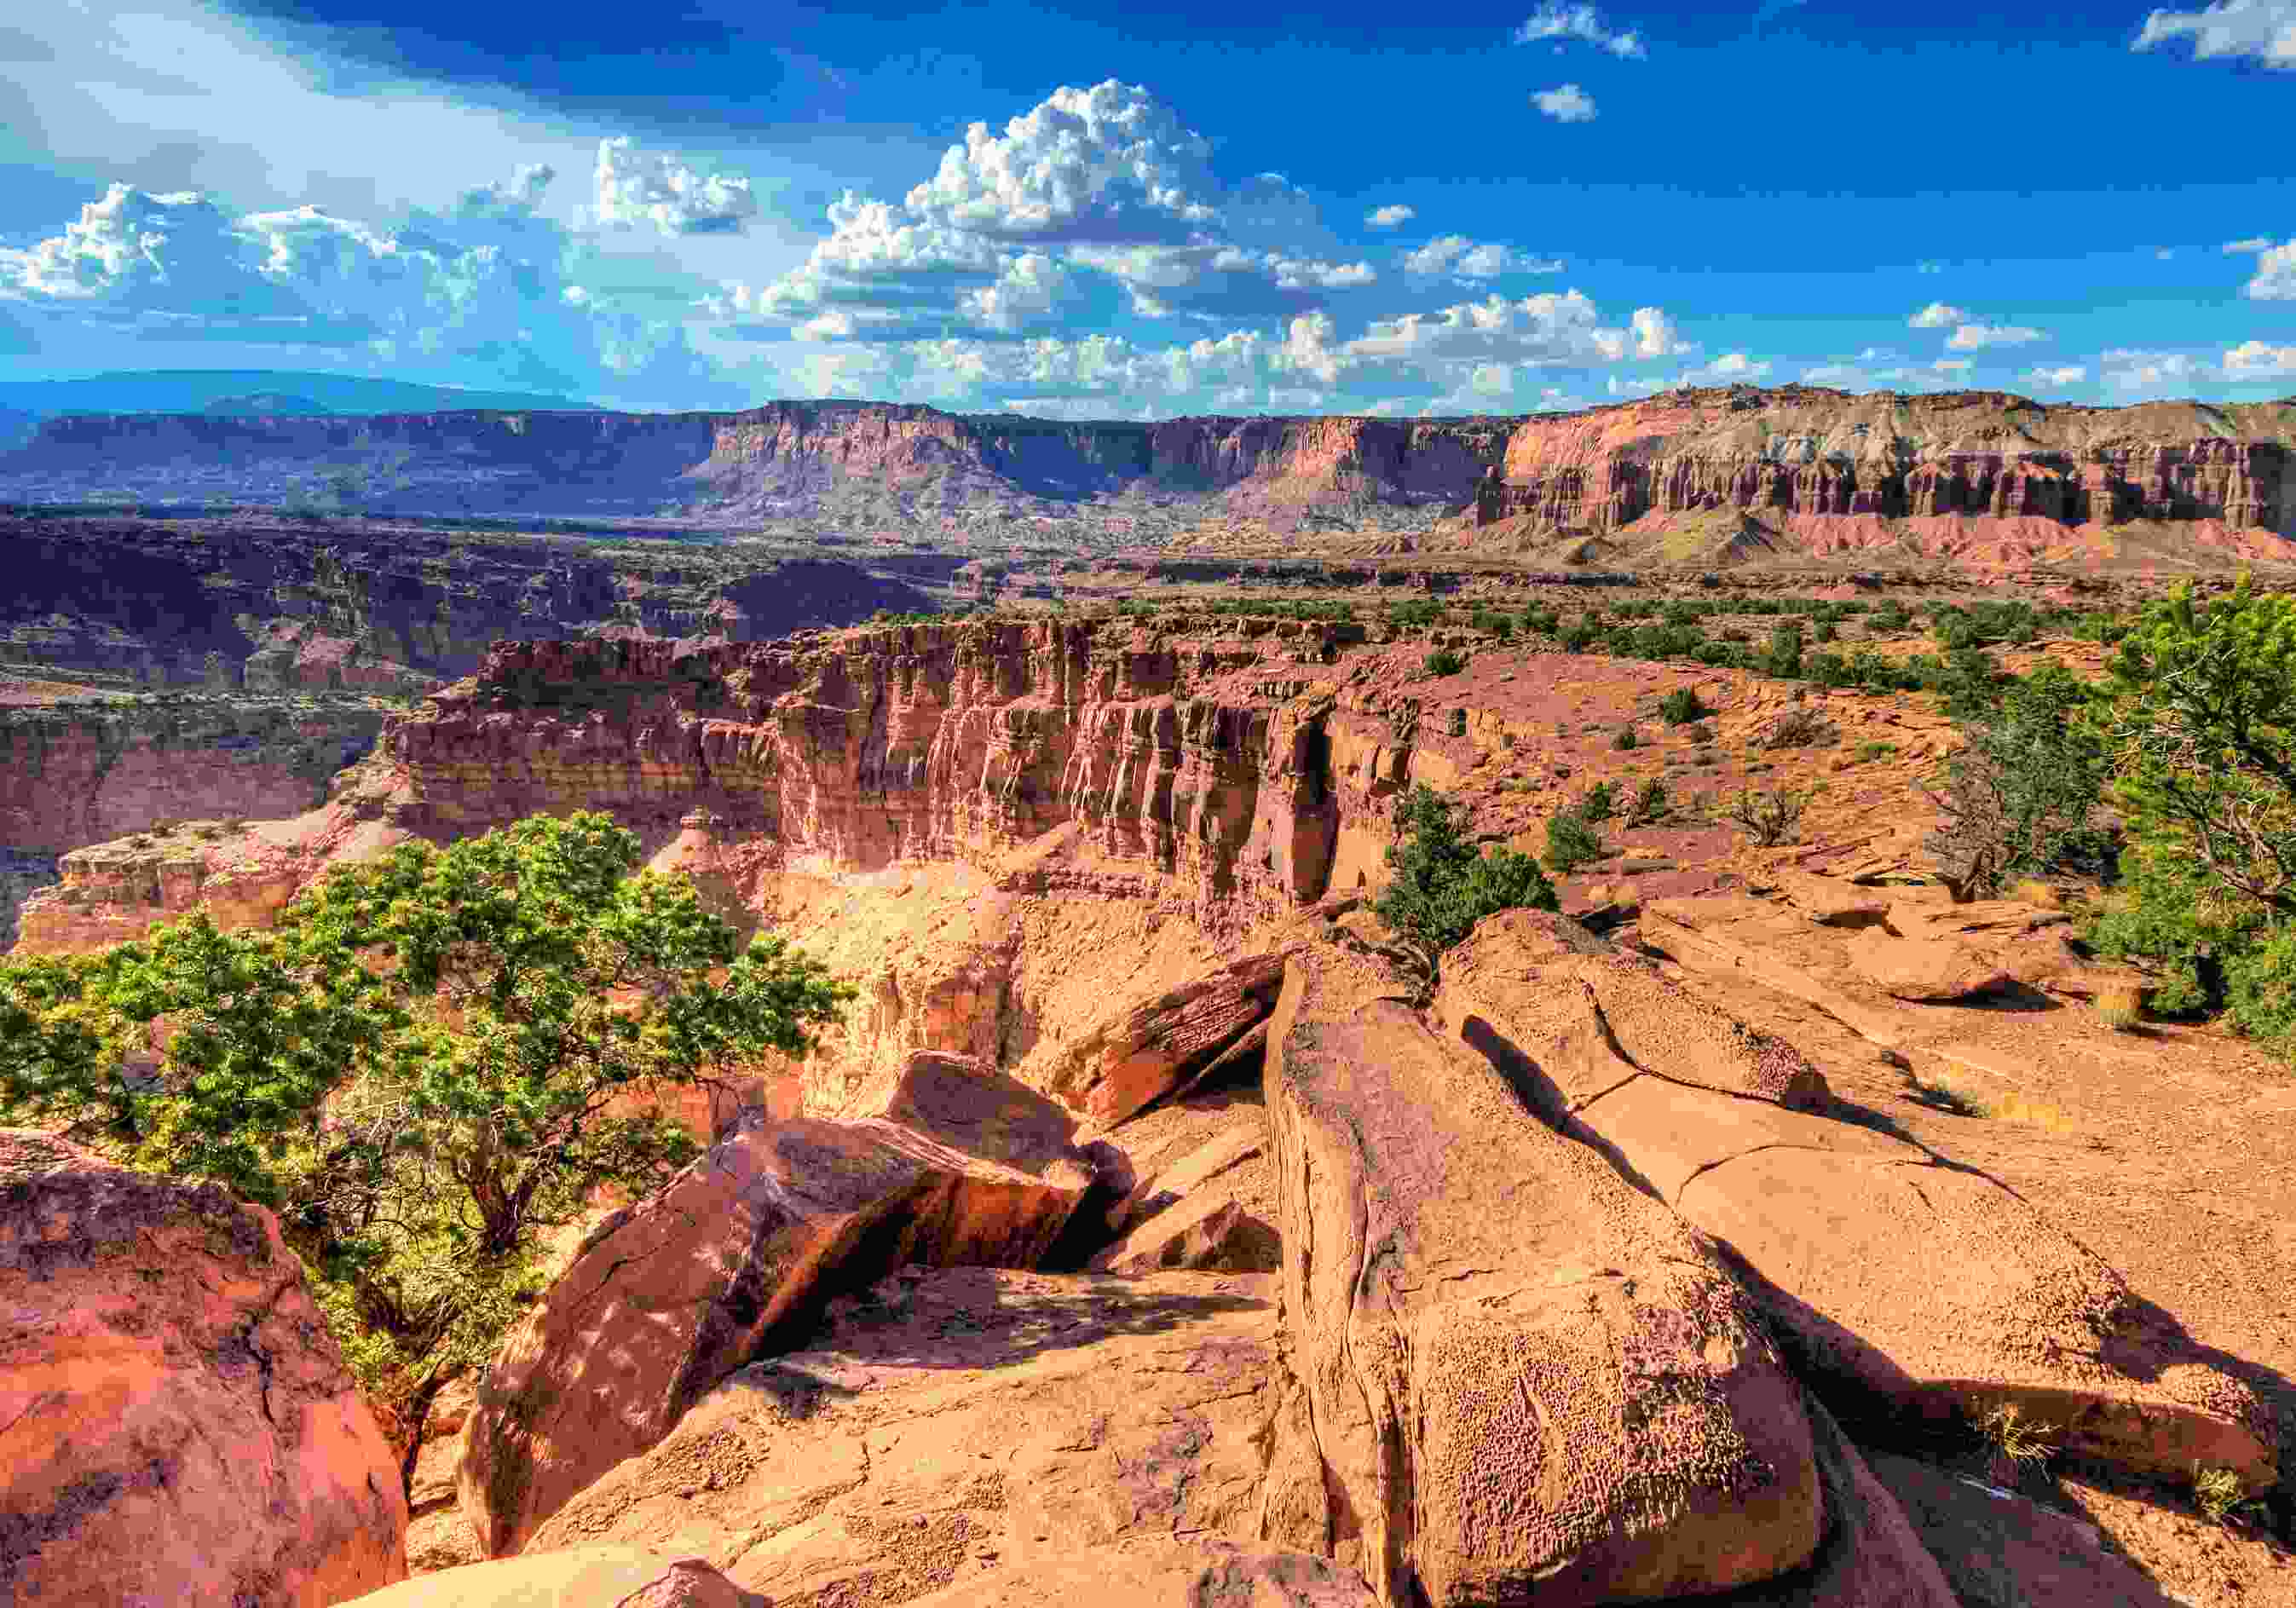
(731, 1259)
(586, 1576)
(1526, 1379)
(951, 1423)
(1923, 1286)
(1170, 1574)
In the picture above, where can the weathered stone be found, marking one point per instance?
(178, 1425)
(1525, 1375)
(1929, 1288)
(2002, 1551)
(585, 1577)
(732, 1258)
(1154, 1047)
(1164, 1574)
(957, 1421)
(1925, 969)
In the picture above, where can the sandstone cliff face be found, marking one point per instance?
(1202, 760)
(1802, 451)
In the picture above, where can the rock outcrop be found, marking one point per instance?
(1166, 1574)
(1522, 1373)
(584, 1576)
(176, 1425)
(735, 1256)
(944, 1425)
(1922, 1287)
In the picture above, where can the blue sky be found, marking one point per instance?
(1149, 210)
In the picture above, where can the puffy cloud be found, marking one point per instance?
(1952, 365)
(1393, 216)
(1108, 164)
(2254, 360)
(2126, 368)
(489, 292)
(2070, 374)
(1731, 366)
(1654, 334)
(1582, 24)
(1456, 254)
(1553, 328)
(1028, 293)
(1977, 337)
(2265, 29)
(2275, 274)
(1938, 316)
(1565, 103)
(636, 186)
(2254, 242)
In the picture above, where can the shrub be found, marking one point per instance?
(1600, 803)
(1650, 804)
(1700, 733)
(1443, 662)
(2119, 1005)
(1770, 818)
(1681, 706)
(1497, 624)
(1799, 727)
(1442, 886)
(1572, 842)
(2260, 988)
(2016, 1437)
(2020, 792)
(1867, 752)
(2218, 1492)
(1625, 739)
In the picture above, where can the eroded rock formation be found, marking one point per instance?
(176, 1425)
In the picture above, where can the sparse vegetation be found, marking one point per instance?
(2120, 1003)
(2014, 1436)
(1443, 661)
(1650, 804)
(1867, 752)
(2218, 1492)
(2021, 793)
(1443, 885)
(1770, 817)
(1681, 706)
(1624, 738)
(1572, 842)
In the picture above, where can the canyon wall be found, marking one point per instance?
(77, 775)
(1800, 451)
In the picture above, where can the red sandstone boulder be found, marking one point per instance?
(1527, 1380)
(2000, 1551)
(176, 1424)
(1154, 1047)
(585, 1577)
(1213, 1208)
(729, 1262)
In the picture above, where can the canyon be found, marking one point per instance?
(1100, 883)
(1819, 472)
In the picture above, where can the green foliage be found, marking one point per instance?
(2020, 795)
(1681, 706)
(1443, 662)
(1600, 802)
(2260, 988)
(1442, 886)
(1572, 841)
(1771, 817)
(1624, 740)
(1498, 624)
(432, 1058)
(1417, 613)
(1650, 804)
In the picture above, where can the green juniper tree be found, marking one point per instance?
(431, 1060)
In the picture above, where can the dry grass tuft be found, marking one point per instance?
(2120, 1003)
(2038, 893)
(2218, 1492)
(2017, 1438)
(2040, 1113)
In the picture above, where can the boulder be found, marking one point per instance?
(1212, 1229)
(178, 1422)
(1869, 1555)
(1154, 1047)
(2001, 1551)
(947, 1423)
(1524, 1377)
(970, 1105)
(731, 1259)
(1926, 970)
(585, 1577)
(1919, 1286)
(1164, 1574)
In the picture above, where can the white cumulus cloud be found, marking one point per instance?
(2275, 274)
(1654, 334)
(1938, 316)
(2254, 242)
(1393, 216)
(1977, 337)
(2133, 369)
(2264, 29)
(1581, 24)
(1565, 103)
(2254, 360)
(2070, 374)
(1952, 365)
(1457, 255)
(635, 187)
